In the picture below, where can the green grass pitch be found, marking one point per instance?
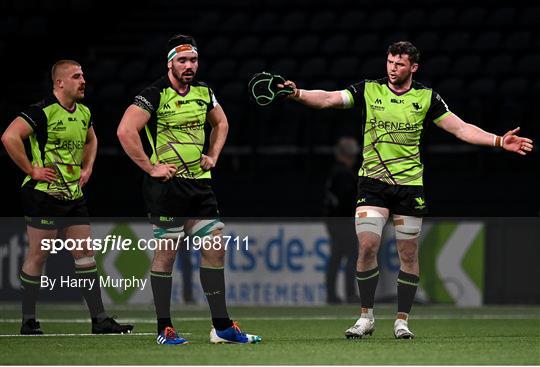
(291, 335)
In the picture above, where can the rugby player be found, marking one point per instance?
(177, 185)
(394, 111)
(63, 146)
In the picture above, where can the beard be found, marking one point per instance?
(180, 78)
(399, 81)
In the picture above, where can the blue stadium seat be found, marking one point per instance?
(132, 71)
(467, 65)
(293, 21)
(499, 64)
(223, 69)
(394, 37)
(217, 46)
(249, 67)
(351, 20)
(345, 67)
(436, 66)
(245, 46)
(287, 67)
(528, 65)
(336, 44)
(8, 26)
(518, 40)
(265, 22)
(514, 86)
(367, 43)
(305, 45)
(442, 18)
(427, 41)
(313, 68)
(235, 22)
(456, 42)
(209, 21)
(411, 19)
(104, 70)
(373, 68)
(275, 46)
(530, 17)
(381, 19)
(472, 17)
(322, 21)
(501, 17)
(31, 24)
(482, 87)
(450, 87)
(487, 41)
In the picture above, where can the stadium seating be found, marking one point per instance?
(482, 59)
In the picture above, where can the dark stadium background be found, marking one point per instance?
(482, 59)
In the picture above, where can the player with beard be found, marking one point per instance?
(394, 111)
(177, 185)
(63, 146)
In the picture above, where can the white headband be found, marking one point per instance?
(181, 48)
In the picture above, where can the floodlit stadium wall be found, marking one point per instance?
(282, 262)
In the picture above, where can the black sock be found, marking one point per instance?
(213, 284)
(30, 285)
(406, 289)
(367, 284)
(91, 293)
(161, 288)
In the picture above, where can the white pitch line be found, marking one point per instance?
(307, 318)
(134, 334)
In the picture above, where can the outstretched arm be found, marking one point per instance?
(319, 98)
(474, 135)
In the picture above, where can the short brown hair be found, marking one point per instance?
(60, 63)
(181, 39)
(404, 48)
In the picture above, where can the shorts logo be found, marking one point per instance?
(47, 222)
(166, 219)
(360, 201)
(421, 203)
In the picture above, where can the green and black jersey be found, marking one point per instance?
(57, 142)
(176, 127)
(394, 124)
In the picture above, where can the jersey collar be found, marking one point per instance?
(177, 92)
(398, 93)
(53, 99)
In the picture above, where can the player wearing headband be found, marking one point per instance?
(177, 187)
(394, 112)
(63, 147)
